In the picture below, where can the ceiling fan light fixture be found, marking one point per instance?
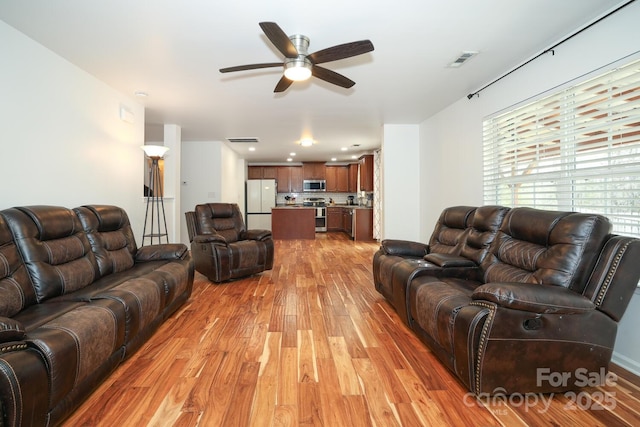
(306, 142)
(297, 69)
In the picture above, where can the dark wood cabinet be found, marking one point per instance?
(269, 172)
(254, 172)
(353, 178)
(356, 222)
(313, 170)
(262, 172)
(289, 179)
(334, 219)
(283, 176)
(363, 224)
(366, 172)
(347, 220)
(337, 178)
(296, 179)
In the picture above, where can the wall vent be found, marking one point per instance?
(462, 58)
(244, 140)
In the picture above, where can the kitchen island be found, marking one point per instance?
(293, 222)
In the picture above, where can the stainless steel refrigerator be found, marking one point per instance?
(261, 197)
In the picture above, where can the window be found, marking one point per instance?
(576, 150)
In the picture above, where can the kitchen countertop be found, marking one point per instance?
(337, 205)
(340, 205)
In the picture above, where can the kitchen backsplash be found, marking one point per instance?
(338, 198)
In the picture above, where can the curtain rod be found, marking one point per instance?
(550, 49)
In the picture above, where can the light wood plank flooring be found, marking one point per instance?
(312, 343)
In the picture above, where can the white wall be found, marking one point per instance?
(210, 172)
(400, 183)
(232, 177)
(455, 133)
(63, 142)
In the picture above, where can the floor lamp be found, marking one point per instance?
(155, 197)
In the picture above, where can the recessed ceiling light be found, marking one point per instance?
(252, 148)
(354, 157)
(292, 154)
(141, 94)
(333, 159)
(289, 159)
(307, 142)
(344, 149)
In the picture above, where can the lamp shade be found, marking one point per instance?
(155, 151)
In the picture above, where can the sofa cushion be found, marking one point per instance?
(450, 228)
(220, 218)
(109, 231)
(246, 254)
(436, 303)
(78, 342)
(54, 249)
(482, 231)
(546, 247)
(16, 291)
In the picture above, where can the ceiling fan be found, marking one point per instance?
(298, 64)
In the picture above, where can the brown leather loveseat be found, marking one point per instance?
(512, 299)
(77, 297)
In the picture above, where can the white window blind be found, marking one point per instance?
(575, 150)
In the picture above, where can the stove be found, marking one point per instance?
(314, 201)
(321, 212)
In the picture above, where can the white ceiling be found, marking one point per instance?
(172, 49)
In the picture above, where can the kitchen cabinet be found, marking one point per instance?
(366, 172)
(262, 172)
(296, 179)
(353, 178)
(337, 178)
(347, 220)
(334, 219)
(254, 172)
(362, 224)
(313, 170)
(357, 222)
(293, 223)
(289, 179)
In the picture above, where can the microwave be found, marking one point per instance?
(314, 185)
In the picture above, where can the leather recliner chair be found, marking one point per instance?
(221, 246)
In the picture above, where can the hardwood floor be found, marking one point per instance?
(313, 343)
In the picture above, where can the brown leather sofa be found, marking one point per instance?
(77, 297)
(222, 248)
(510, 300)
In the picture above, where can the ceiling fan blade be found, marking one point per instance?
(331, 77)
(279, 39)
(250, 67)
(283, 84)
(341, 51)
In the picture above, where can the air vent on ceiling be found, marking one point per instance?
(245, 140)
(462, 58)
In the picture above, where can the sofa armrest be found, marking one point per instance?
(210, 238)
(534, 298)
(10, 330)
(256, 235)
(404, 248)
(448, 260)
(169, 251)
